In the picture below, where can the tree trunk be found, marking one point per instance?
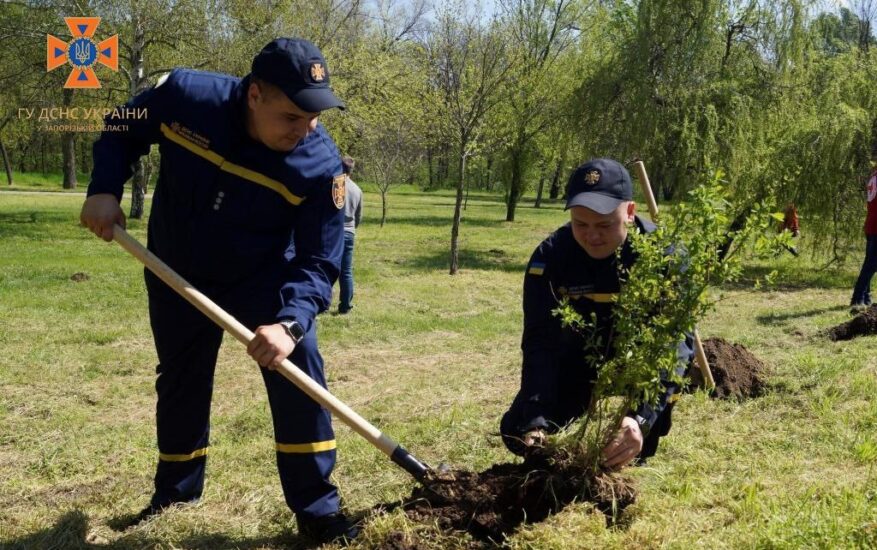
(455, 227)
(429, 166)
(383, 206)
(466, 201)
(864, 33)
(68, 148)
(443, 168)
(22, 159)
(516, 186)
(43, 168)
(538, 203)
(136, 85)
(736, 225)
(6, 162)
(512, 198)
(138, 191)
(84, 156)
(554, 191)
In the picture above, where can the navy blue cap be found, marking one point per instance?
(297, 67)
(599, 184)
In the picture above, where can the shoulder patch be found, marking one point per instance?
(339, 190)
(536, 268)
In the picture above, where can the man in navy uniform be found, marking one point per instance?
(249, 207)
(580, 262)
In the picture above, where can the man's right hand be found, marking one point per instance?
(99, 213)
(534, 439)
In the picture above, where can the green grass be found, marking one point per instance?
(432, 360)
(39, 181)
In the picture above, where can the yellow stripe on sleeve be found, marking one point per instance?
(600, 297)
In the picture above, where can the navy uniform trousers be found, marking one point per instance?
(187, 343)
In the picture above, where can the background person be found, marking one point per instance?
(352, 217)
(861, 298)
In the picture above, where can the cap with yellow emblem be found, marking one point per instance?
(599, 184)
(297, 67)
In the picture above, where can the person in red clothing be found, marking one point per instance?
(862, 291)
(790, 223)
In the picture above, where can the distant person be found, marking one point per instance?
(352, 217)
(862, 291)
(790, 224)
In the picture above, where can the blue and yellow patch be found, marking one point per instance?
(536, 268)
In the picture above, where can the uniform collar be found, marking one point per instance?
(239, 108)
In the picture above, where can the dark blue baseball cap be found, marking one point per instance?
(297, 67)
(599, 184)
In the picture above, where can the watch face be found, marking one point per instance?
(294, 329)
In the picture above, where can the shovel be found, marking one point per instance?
(305, 383)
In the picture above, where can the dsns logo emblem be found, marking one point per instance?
(82, 52)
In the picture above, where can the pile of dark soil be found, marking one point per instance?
(863, 324)
(737, 372)
(491, 504)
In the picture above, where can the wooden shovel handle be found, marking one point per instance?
(699, 353)
(289, 371)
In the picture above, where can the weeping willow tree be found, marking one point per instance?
(745, 86)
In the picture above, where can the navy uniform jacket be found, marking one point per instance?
(556, 382)
(226, 209)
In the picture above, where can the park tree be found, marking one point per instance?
(537, 83)
(468, 60)
(386, 125)
(154, 38)
(26, 84)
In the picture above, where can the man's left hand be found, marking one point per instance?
(625, 446)
(270, 346)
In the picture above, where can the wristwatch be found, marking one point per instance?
(294, 330)
(643, 424)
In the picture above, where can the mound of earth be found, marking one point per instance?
(737, 372)
(863, 324)
(491, 504)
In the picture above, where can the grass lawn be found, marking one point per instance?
(38, 181)
(433, 361)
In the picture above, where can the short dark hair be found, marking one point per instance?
(270, 91)
(348, 163)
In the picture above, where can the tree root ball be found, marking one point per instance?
(491, 504)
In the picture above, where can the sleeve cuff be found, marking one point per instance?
(645, 416)
(95, 189)
(536, 424)
(294, 314)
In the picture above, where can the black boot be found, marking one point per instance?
(329, 528)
